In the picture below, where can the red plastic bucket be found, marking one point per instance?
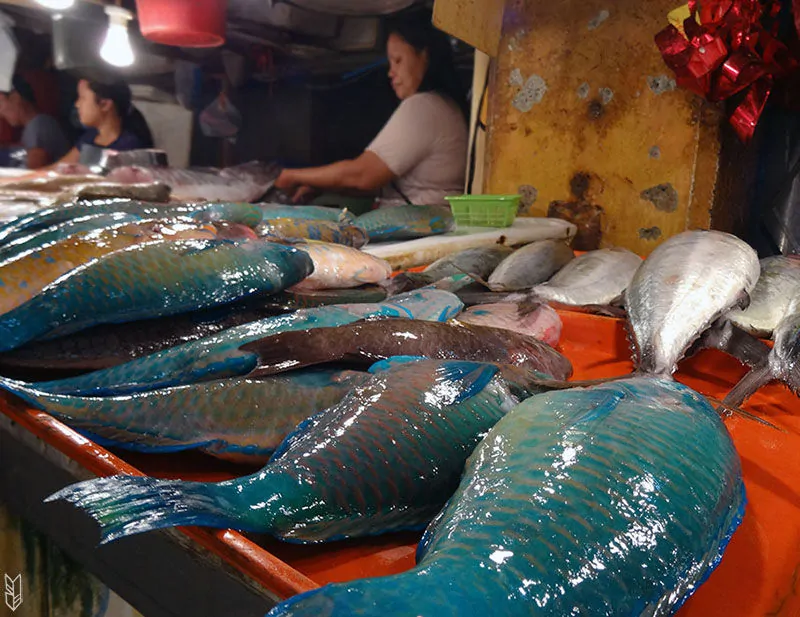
(183, 23)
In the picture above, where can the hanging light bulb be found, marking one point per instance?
(56, 5)
(117, 48)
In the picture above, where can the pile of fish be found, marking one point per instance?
(480, 441)
(178, 329)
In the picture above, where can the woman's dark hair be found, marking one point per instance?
(119, 93)
(21, 86)
(441, 76)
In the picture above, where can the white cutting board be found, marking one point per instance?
(424, 251)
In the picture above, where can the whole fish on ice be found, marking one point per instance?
(406, 222)
(384, 338)
(218, 356)
(775, 296)
(530, 265)
(23, 278)
(541, 323)
(153, 280)
(385, 458)
(235, 419)
(341, 267)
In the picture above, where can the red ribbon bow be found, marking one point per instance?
(731, 50)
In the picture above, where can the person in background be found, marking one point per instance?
(42, 138)
(110, 120)
(420, 155)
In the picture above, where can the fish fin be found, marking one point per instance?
(732, 340)
(405, 281)
(793, 380)
(344, 217)
(389, 363)
(430, 533)
(743, 300)
(288, 441)
(474, 277)
(606, 310)
(529, 305)
(469, 378)
(126, 441)
(749, 384)
(127, 505)
(733, 409)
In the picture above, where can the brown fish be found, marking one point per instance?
(368, 341)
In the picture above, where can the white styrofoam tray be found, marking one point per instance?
(424, 251)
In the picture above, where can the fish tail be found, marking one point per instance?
(749, 384)
(128, 505)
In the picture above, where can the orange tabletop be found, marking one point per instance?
(757, 576)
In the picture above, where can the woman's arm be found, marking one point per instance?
(365, 174)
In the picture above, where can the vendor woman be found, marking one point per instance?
(420, 154)
(110, 121)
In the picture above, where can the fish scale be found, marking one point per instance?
(218, 355)
(27, 275)
(246, 214)
(153, 280)
(384, 458)
(539, 527)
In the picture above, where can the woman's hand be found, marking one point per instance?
(288, 182)
(304, 194)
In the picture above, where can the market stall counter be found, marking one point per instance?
(210, 572)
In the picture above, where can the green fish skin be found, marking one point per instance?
(385, 458)
(406, 222)
(608, 502)
(154, 280)
(325, 213)
(245, 214)
(299, 230)
(219, 356)
(49, 236)
(243, 420)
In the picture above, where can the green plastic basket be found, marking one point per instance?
(484, 210)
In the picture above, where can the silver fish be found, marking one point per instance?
(776, 295)
(596, 277)
(530, 265)
(681, 289)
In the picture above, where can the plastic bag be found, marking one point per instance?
(221, 119)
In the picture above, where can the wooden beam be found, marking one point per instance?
(476, 22)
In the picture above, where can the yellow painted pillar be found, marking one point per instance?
(585, 117)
